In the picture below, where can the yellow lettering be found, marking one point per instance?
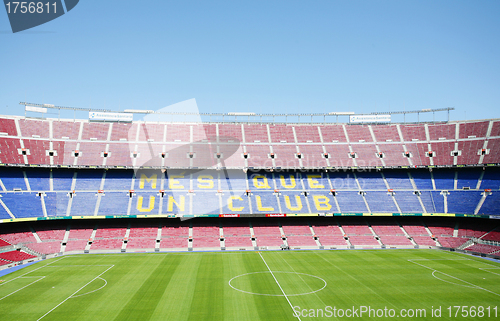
(298, 207)
(260, 184)
(180, 204)
(313, 183)
(230, 203)
(260, 207)
(151, 180)
(322, 203)
(283, 182)
(205, 181)
(173, 183)
(151, 204)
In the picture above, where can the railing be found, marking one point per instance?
(244, 117)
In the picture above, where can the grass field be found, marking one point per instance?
(254, 286)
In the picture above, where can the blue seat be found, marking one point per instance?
(118, 180)
(351, 202)
(398, 179)
(438, 201)
(264, 202)
(62, 179)
(380, 202)
(342, 180)
(371, 181)
(88, 180)
(145, 202)
(491, 205)
(322, 201)
(468, 178)
(23, 204)
(422, 179)
(293, 202)
(38, 179)
(13, 178)
(83, 204)
(444, 179)
(428, 201)
(114, 203)
(205, 202)
(463, 202)
(56, 203)
(491, 179)
(408, 202)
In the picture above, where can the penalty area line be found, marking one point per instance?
(472, 285)
(43, 316)
(40, 278)
(284, 294)
(23, 275)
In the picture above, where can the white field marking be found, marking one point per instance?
(297, 294)
(22, 275)
(105, 283)
(291, 306)
(40, 278)
(467, 286)
(78, 265)
(463, 259)
(453, 277)
(456, 254)
(493, 268)
(171, 253)
(74, 293)
(354, 279)
(305, 281)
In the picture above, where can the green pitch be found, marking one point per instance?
(274, 285)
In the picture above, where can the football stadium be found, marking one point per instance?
(111, 218)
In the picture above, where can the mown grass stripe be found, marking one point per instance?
(209, 288)
(194, 286)
(142, 305)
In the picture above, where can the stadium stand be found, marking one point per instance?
(17, 235)
(452, 242)
(237, 234)
(45, 193)
(93, 140)
(61, 169)
(205, 235)
(267, 234)
(15, 256)
(3, 243)
(48, 247)
(483, 248)
(175, 235)
(493, 235)
(329, 234)
(143, 236)
(298, 234)
(79, 236)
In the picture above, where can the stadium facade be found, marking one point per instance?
(82, 186)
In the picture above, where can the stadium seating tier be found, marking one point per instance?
(55, 142)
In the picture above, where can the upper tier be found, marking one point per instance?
(52, 142)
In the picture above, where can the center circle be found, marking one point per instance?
(288, 281)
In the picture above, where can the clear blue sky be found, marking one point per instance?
(260, 56)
